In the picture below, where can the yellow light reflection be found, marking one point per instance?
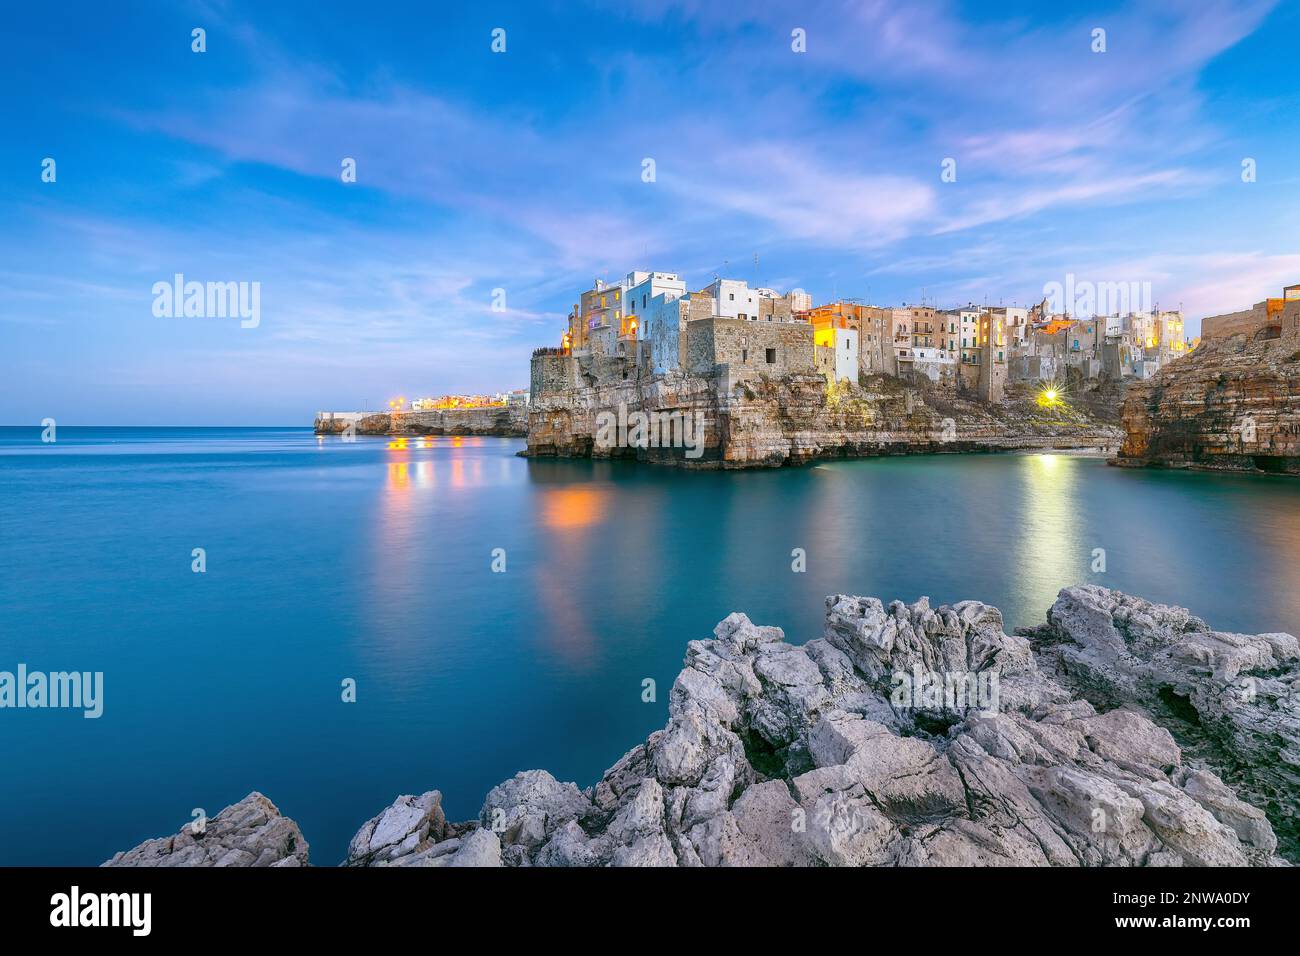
(1051, 546)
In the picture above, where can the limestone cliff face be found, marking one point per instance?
(1230, 405)
(507, 421)
(795, 418)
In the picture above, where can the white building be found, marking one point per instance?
(837, 353)
(640, 288)
(734, 299)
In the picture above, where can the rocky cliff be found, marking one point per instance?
(776, 754)
(1232, 404)
(505, 421)
(795, 418)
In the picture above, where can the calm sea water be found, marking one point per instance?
(372, 560)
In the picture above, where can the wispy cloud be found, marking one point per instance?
(523, 172)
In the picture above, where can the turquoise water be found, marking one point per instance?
(372, 561)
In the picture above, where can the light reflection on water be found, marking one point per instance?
(372, 560)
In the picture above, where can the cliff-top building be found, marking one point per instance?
(649, 325)
(873, 326)
(1269, 319)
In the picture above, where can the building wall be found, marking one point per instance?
(874, 328)
(603, 340)
(601, 305)
(1291, 318)
(837, 353)
(993, 349)
(968, 329)
(550, 372)
(774, 309)
(733, 298)
(748, 348)
(1229, 324)
(899, 339)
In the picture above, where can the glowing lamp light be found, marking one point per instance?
(1050, 397)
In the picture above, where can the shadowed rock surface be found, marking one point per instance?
(1232, 701)
(778, 755)
(251, 832)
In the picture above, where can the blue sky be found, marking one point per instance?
(522, 171)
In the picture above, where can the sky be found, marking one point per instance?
(524, 171)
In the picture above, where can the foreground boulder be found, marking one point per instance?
(251, 832)
(907, 736)
(1231, 700)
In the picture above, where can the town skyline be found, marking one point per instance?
(523, 170)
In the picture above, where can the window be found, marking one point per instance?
(643, 295)
(744, 355)
(771, 356)
(731, 296)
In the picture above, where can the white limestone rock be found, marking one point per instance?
(529, 807)
(1231, 700)
(409, 826)
(251, 832)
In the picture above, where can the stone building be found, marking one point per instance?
(552, 370)
(987, 375)
(665, 323)
(928, 331)
(900, 341)
(601, 305)
(741, 349)
(734, 299)
(1267, 319)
